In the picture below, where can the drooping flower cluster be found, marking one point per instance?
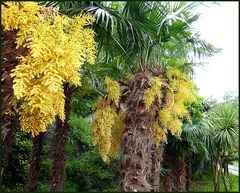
(154, 92)
(112, 90)
(18, 15)
(167, 98)
(58, 46)
(180, 91)
(159, 134)
(107, 126)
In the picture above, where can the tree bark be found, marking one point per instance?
(168, 163)
(180, 174)
(225, 174)
(137, 140)
(218, 171)
(225, 166)
(9, 112)
(175, 179)
(60, 137)
(188, 165)
(216, 175)
(156, 158)
(35, 163)
(8, 132)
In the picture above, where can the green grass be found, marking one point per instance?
(206, 184)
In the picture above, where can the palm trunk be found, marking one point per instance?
(175, 180)
(225, 167)
(35, 163)
(8, 132)
(9, 120)
(188, 164)
(59, 142)
(135, 155)
(180, 174)
(216, 175)
(168, 163)
(156, 154)
(225, 182)
(218, 172)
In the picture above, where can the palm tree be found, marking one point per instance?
(59, 142)
(156, 159)
(179, 153)
(35, 163)
(9, 106)
(139, 37)
(187, 147)
(221, 139)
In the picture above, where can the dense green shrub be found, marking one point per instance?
(17, 171)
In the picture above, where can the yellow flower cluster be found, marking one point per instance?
(15, 15)
(58, 46)
(117, 132)
(113, 90)
(107, 129)
(180, 92)
(153, 92)
(159, 134)
(173, 73)
(107, 124)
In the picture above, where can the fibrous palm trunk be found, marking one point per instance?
(188, 165)
(35, 163)
(168, 163)
(9, 111)
(175, 180)
(156, 157)
(180, 175)
(135, 156)
(59, 142)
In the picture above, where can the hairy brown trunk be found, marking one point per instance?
(188, 165)
(168, 163)
(35, 163)
(59, 142)
(8, 132)
(9, 112)
(175, 179)
(180, 175)
(156, 157)
(137, 141)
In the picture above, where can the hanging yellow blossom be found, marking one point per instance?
(180, 92)
(175, 127)
(113, 90)
(15, 15)
(153, 92)
(58, 46)
(173, 74)
(106, 125)
(166, 116)
(159, 134)
(117, 132)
